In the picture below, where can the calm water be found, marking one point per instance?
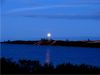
(56, 55)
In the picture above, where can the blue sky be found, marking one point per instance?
(33, 19)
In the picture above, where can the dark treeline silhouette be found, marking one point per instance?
(87, 43)
(20, 42)
(34, 67)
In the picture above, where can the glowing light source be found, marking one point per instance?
(49, 35)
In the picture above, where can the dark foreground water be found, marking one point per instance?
(54, 54)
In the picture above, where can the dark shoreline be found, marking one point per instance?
(24, 66)
(88, 43)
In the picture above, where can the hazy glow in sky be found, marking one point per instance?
(49, 35)
(33, 19)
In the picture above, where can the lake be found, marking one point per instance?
(54, 54)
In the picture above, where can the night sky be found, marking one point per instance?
(33, 19)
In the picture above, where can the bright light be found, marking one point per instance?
(49, 35)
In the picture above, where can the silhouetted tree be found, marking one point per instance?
(34, 67)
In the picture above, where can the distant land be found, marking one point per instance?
(81, 43)
(71, 38)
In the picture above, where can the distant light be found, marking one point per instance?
(49, 35)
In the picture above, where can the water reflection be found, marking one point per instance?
(50, 54)
(47, 60)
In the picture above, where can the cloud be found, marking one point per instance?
(62, 16)
(95, 16)
(46, 7)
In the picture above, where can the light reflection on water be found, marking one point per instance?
(48, 54)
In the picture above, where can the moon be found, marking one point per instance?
(49, 35)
